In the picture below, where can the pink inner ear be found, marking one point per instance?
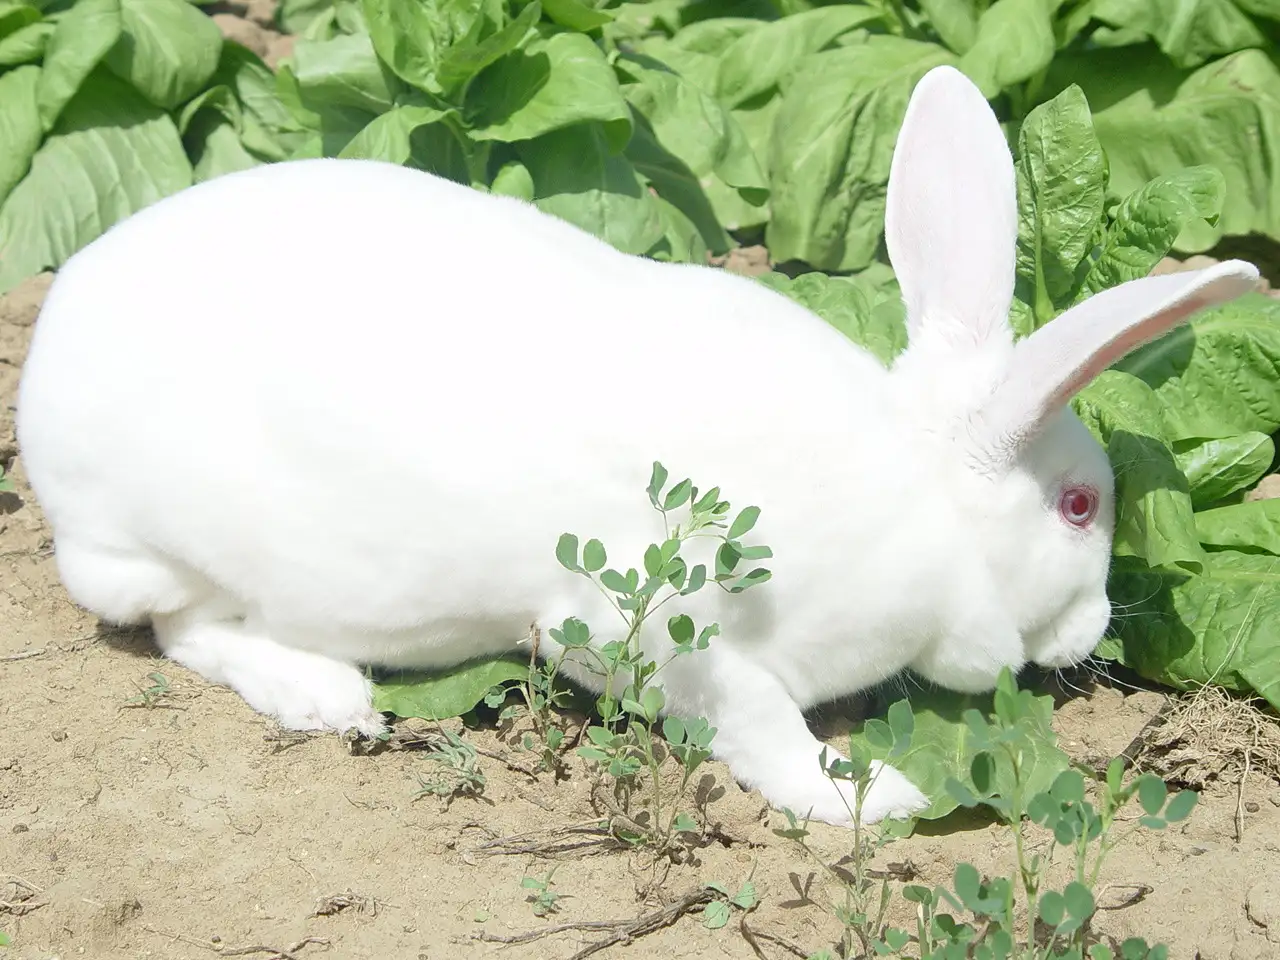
(1058, 360)
(1127, 341)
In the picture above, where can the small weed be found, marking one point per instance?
(542, 897)
(4, 939)
(716, 913)
(459, 772)
(159, 693)
(1019, 916)
(622, 746)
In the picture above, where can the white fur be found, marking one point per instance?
(330, 413)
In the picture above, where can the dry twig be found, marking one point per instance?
(621, 931)
(274, 953)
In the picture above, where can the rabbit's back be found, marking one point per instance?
(405, 389)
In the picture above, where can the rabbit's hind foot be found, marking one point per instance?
(301, 689)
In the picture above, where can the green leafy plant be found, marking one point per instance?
(623, 745)
(110, 105)
(669, 129)
(1020, 915)
(155, 694)
(457, 769)
(717, 912)
(542, 897)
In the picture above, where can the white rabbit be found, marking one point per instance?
(362, 445)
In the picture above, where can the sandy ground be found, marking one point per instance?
(190, 829)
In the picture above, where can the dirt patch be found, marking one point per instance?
(140, 819)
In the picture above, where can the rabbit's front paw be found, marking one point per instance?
(326, 695)
(890, 795)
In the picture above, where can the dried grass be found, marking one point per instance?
(1212, 735)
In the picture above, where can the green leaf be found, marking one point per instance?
(342, 72)
(943, 746)
(463, 61)
(1218, 468)
(449, 693)
(681, 628)
(1153, 500)
(1152, 793)
(26, 45)
(214, 147)
(757, 60)
(110, 155)
(387, 137)
(1014, 42)
(685, 824)
(743, 522)
(1189, 32)
(868, 312)
(513, 180)
(546, 86)
(567, 552)
(1218, 375)
(576, 15)
(715, 915)
(20, 127)
(1253, 527)
(1181, 805)
(576, 177)
(267, 128)
(833, 143)
(691, 225)
(168, 50)
(955, 21)
(1052, 908)
(79, 41)
(1152, 119)
(1220, 627)
(1061, 177)
(1079, 901)
(1148, 222)
(593, 556)
(694, 128)
(15, 15)
(413, 37)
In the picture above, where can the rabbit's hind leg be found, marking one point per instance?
(301, 689)
(124, 585)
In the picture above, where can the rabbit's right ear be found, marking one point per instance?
(951, 217)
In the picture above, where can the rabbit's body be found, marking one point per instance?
(363, 447)
(378, 472)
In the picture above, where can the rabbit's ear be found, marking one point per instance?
(1053, 364)
(951, 217)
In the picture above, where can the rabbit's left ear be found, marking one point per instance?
(1057, 361)
(951, 214)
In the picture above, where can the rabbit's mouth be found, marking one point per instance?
(1071, 637)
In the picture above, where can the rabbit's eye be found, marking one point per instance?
(1078, 505)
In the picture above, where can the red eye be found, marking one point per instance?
(1078, 505)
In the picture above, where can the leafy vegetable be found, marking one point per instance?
(943, 744)
(445, 694)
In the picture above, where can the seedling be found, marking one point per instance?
(1004, 910)
(154, 695)
(459, 772)
(543, 897)
(622, 746)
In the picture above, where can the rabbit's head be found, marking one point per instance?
(1013, 458)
